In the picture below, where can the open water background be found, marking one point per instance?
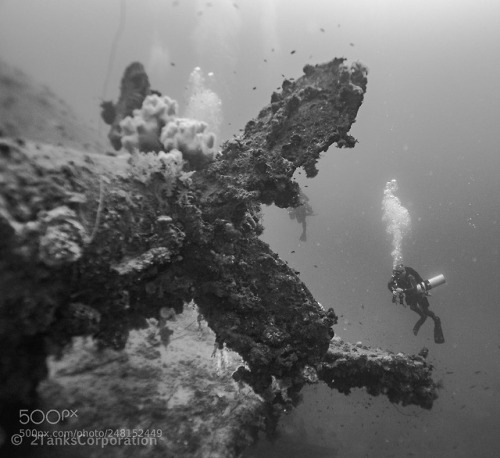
(430, 119)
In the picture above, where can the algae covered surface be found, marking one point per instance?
(99, 245)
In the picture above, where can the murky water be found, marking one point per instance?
(430, 120)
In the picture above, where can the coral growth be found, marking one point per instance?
(167, 166)
(155, 127)
(141, 131)
(189, 136)
(62, 239)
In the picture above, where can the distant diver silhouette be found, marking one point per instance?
(300, 213)
(406, 282)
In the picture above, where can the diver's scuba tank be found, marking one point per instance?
(433, 282)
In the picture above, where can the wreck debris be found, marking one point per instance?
(167, 239)
(402, 378)
(184, 405)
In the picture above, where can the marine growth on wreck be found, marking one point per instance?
(99, 245)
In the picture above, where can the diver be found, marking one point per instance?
(404, 283)
(300, 213)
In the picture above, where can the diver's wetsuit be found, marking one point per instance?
(418, 302)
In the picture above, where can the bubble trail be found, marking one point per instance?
(397, 219)
(203, 103)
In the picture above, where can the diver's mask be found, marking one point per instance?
(398, 271)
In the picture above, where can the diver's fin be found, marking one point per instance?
(438, 332)
(303, 237)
